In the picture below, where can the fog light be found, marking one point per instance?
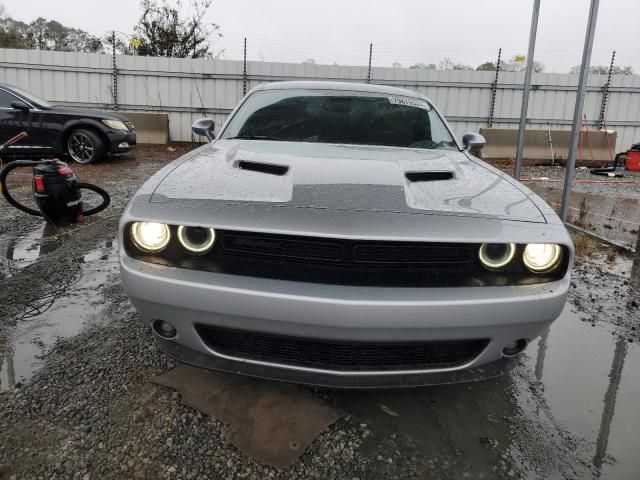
(164, 329)
(514, 348)
(123, 145)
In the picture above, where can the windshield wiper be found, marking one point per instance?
(252, 137)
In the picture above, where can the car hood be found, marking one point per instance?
(346, 177)
(88, 112)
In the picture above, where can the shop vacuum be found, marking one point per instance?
(56, 189)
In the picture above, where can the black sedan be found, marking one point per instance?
(85, 135)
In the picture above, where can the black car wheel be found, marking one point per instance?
(84, 146)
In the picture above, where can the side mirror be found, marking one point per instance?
(204, 127)
(473, 141)
(20, 105)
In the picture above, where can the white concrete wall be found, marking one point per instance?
(188, 89)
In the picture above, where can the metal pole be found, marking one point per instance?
(635, 269)
(370, 55)
(527, 86)
(114, 80)
(605, 93)
(494, 90)
(577, 114)
(244, 72)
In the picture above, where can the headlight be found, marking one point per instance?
(495, 256)
(150, 237)
(196, 240)
(115, 124)
(542, 257)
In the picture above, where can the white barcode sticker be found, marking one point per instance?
(409, 102)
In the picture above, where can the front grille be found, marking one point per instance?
(418, 254)
(345, 252)
(273, 246)
(340, 355)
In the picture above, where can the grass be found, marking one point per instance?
(587, 246)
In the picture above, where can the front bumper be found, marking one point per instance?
(186, 298)
(122, 142)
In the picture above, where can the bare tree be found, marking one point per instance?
(163, 31)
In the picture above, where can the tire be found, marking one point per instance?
(85, 146)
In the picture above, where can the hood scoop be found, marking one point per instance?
(429, 176)
(268, 168)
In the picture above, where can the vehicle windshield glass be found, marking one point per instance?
(342, 117)
(31, 98)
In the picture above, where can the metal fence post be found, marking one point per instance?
(605, 93)
(635, 269)
(527, 86)
(370, 55)
(114, 79)
(244, 72)
(494, 90)
(577, 114)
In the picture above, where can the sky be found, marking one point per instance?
(402, 31)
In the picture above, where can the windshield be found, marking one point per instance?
(342, 117)
(31, 98)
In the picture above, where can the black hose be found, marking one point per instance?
(105, 198)
(3, 185)
(607, 170)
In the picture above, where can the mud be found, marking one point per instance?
(75, 363)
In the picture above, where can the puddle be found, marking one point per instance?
(22, 346)
(590, 384)
(19, 251)
(591, 380)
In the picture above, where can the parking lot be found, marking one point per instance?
(76, 399)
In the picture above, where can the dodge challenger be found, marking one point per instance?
(339, 234)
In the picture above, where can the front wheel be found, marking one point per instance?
(84, 146)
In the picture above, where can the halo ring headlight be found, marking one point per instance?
(541, 257)
(496, 256)
(196, 240)
(150, 237)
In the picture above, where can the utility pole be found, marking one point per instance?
(527, 86)
(577, 114)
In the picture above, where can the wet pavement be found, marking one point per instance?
(569, 410)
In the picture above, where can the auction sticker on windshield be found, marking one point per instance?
(409, 102)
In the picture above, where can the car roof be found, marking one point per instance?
(347, 86)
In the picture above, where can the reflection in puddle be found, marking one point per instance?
(22, 346)
(591, 380)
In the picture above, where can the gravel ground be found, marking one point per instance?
(628, 186)
(91, 412)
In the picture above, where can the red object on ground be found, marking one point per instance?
(633, 160)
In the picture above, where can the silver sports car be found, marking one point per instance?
(338, 234)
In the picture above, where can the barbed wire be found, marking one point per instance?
(356, 54)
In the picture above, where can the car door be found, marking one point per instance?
(30, 119)
(10, 124)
